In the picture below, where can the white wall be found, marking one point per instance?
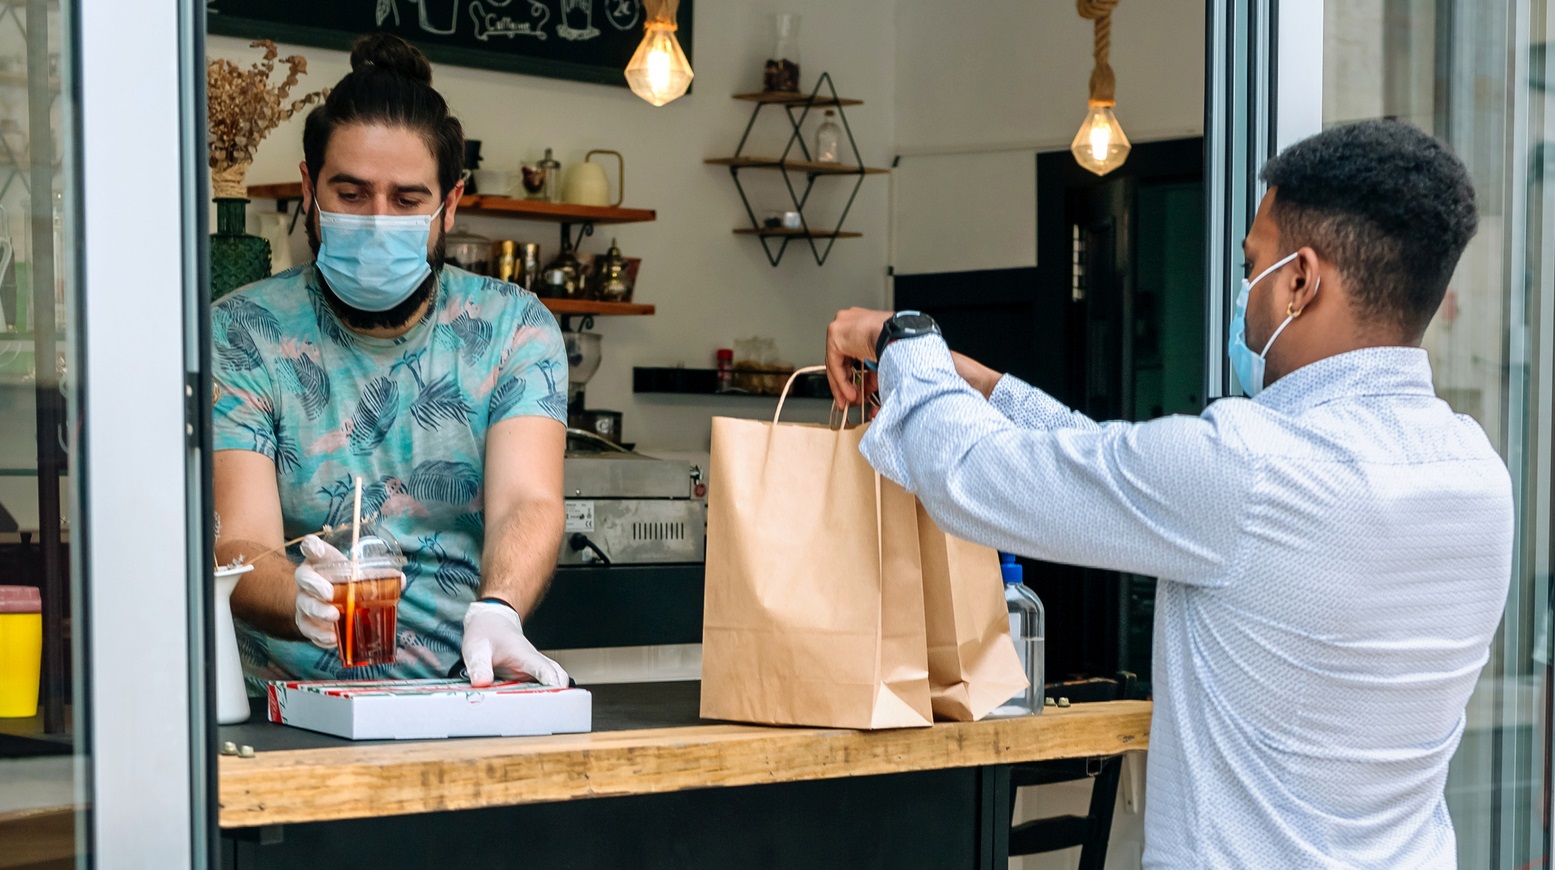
(982, 87)
(710, 286)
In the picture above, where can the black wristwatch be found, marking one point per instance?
(904, 324)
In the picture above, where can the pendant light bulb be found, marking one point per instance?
(1100, 146)
(658, 71)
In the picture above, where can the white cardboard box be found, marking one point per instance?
(422, 709)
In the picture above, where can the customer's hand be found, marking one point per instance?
(316, 616)
(850, 341)
(494, 645)
(982, 378)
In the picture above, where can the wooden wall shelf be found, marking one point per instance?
(808, 166)
(775, 240)
(782, 233)
(594, 308)
(500, 206)
(796, 99)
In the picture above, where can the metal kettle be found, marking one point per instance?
(612, 276)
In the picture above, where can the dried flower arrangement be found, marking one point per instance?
(243, 107)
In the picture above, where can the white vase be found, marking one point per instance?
(231, 696)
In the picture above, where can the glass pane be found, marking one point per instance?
(1463, 70)
(42, 750)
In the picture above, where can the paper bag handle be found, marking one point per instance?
(782, 399)
(811, 370)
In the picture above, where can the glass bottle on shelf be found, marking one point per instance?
(781, 74)
(828, 140)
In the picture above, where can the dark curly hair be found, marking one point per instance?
(1391, 207)
(390, 83)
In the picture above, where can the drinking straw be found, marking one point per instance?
(356, 531)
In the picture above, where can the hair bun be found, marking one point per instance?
(390, 52)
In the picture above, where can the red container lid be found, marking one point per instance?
(20, 599)
(725, 353)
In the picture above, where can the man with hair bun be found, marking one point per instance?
(444, 391)
(1333, 551)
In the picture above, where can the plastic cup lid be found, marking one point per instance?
(20, 599)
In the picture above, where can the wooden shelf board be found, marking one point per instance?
(502, 206)
(779, 232)
(795, 165)
(782, 97)
(593, 307)
(286, 190)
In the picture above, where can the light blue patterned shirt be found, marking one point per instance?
(1333, 560)
(409, 415)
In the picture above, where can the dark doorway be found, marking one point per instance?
(1111, 322)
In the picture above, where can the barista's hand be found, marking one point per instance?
(494, 643)
(850, 341)
(316, 616)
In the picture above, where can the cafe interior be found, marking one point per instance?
(691, 191)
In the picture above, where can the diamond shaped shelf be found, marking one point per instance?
(797, 160)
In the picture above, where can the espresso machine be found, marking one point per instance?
(623, 508)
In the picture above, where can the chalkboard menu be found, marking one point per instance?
(582, 40)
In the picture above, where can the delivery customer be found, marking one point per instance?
(1333, 552)
(444, 391)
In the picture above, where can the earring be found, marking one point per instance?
(1292, 311)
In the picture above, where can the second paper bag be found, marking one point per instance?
(973, 666)
(814, 603)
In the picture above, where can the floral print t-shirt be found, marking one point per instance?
(409, 415)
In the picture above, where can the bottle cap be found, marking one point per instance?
(1013, 573)
(725, 353)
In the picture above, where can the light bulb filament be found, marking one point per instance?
(1101, 139)
(659, 69)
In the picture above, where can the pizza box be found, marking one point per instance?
(423, 709)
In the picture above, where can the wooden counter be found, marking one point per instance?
(339, 780)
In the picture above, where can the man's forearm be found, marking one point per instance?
(521, 551)
(266, 597)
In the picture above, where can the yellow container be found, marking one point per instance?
(21, 651)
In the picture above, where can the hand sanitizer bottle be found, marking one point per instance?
(1027, 629)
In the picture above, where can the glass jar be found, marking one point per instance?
(781, 74)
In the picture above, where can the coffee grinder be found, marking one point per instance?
(583, 358)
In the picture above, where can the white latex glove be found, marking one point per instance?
(494, 641)
(316, 617)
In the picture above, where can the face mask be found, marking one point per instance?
(1247, 365)
(374, 262)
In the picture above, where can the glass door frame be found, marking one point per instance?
(1263, 91)
(134, 211)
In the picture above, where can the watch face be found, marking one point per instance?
(914, 322)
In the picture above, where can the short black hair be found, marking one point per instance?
(1391, 207)
(390, 83)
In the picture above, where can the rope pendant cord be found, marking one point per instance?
(1103, 85)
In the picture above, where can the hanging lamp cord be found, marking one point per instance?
(1103, 86)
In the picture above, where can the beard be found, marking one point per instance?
(395, 318)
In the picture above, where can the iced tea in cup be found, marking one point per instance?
(367, 593)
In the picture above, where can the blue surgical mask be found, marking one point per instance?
(373, 262)
(1247, 365)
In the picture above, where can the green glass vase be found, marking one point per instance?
(237, 258)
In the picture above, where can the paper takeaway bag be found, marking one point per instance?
(973, 666)
(814, 596)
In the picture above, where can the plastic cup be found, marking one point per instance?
(367, 592)
(21, 651)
